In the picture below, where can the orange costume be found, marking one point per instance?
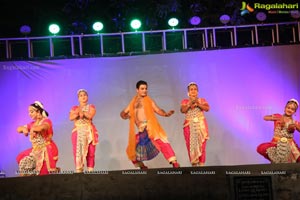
(155, 132)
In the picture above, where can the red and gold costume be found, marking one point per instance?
(84, 140)
(282, 148)
(195, 131)
(42, 157)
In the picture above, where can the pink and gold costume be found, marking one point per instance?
(282, 148)
(195, 130)
(42, 157)
(84, 140)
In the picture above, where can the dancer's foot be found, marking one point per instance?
(195, 164)
(140, 165)
(90, 169)
(79, 170)
(175, 164)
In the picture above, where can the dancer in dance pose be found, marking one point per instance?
(282, 148)
(42, 157)
(195, 127)
(84, 133)
(151, 138)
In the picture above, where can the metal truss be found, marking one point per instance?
(145, 42)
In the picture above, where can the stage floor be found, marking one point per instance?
(251, 182)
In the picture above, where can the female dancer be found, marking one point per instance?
(42, 157)
(282, 148)
(84, 133)
(195, 127)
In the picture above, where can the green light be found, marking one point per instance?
(135, 24)
(54, 28)
(173, 22)
(97, 26)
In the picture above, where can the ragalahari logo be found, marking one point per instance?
(246, 8)
(271, 8)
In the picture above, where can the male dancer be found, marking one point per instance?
(151, 137)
